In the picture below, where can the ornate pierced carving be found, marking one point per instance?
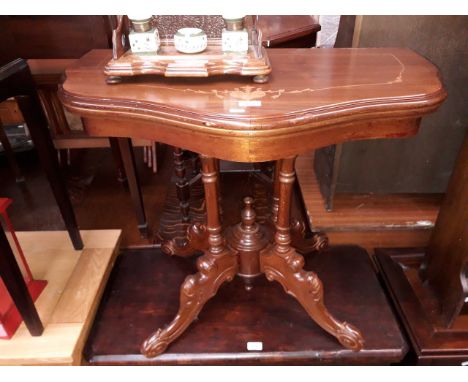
(168, 25)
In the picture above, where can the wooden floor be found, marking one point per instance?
(370, 220)
(67, 306)
(99, 200)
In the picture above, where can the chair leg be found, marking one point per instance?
(10, 155)
(11, 276)
(37, 124)
(114, 144)
(128, 158)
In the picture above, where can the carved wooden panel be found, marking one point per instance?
(168, 25)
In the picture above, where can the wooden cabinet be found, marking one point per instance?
(53, 36)
(430, 287)
(421, 164)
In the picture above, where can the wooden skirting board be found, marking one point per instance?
(368, 220)
(68, 304)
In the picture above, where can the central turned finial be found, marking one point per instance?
(248, 214)
(247, 239)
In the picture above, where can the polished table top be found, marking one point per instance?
(315, 97)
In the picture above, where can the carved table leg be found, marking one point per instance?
(281, 263)
(217, 265)
(304, 245)
(276, 191)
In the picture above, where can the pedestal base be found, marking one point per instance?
(147, 284)
(418, 307)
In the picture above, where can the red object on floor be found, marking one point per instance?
(10, 319)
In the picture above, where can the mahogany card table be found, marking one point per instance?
(314, 98)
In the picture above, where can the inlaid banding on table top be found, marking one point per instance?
(307, 87)
(256, 92)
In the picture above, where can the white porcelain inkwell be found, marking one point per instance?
(190, 40)
(143, 36)
(235, 37)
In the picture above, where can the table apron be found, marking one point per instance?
(252, 148)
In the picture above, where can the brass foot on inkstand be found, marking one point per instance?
(249, 253)
(112, 80)
(260, 79)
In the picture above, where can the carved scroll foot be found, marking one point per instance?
(196, 240)
(304, 245)
(197, 289)
(287, 269)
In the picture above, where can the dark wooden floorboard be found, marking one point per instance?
(142, 296)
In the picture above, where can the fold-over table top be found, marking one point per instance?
(337, 94)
